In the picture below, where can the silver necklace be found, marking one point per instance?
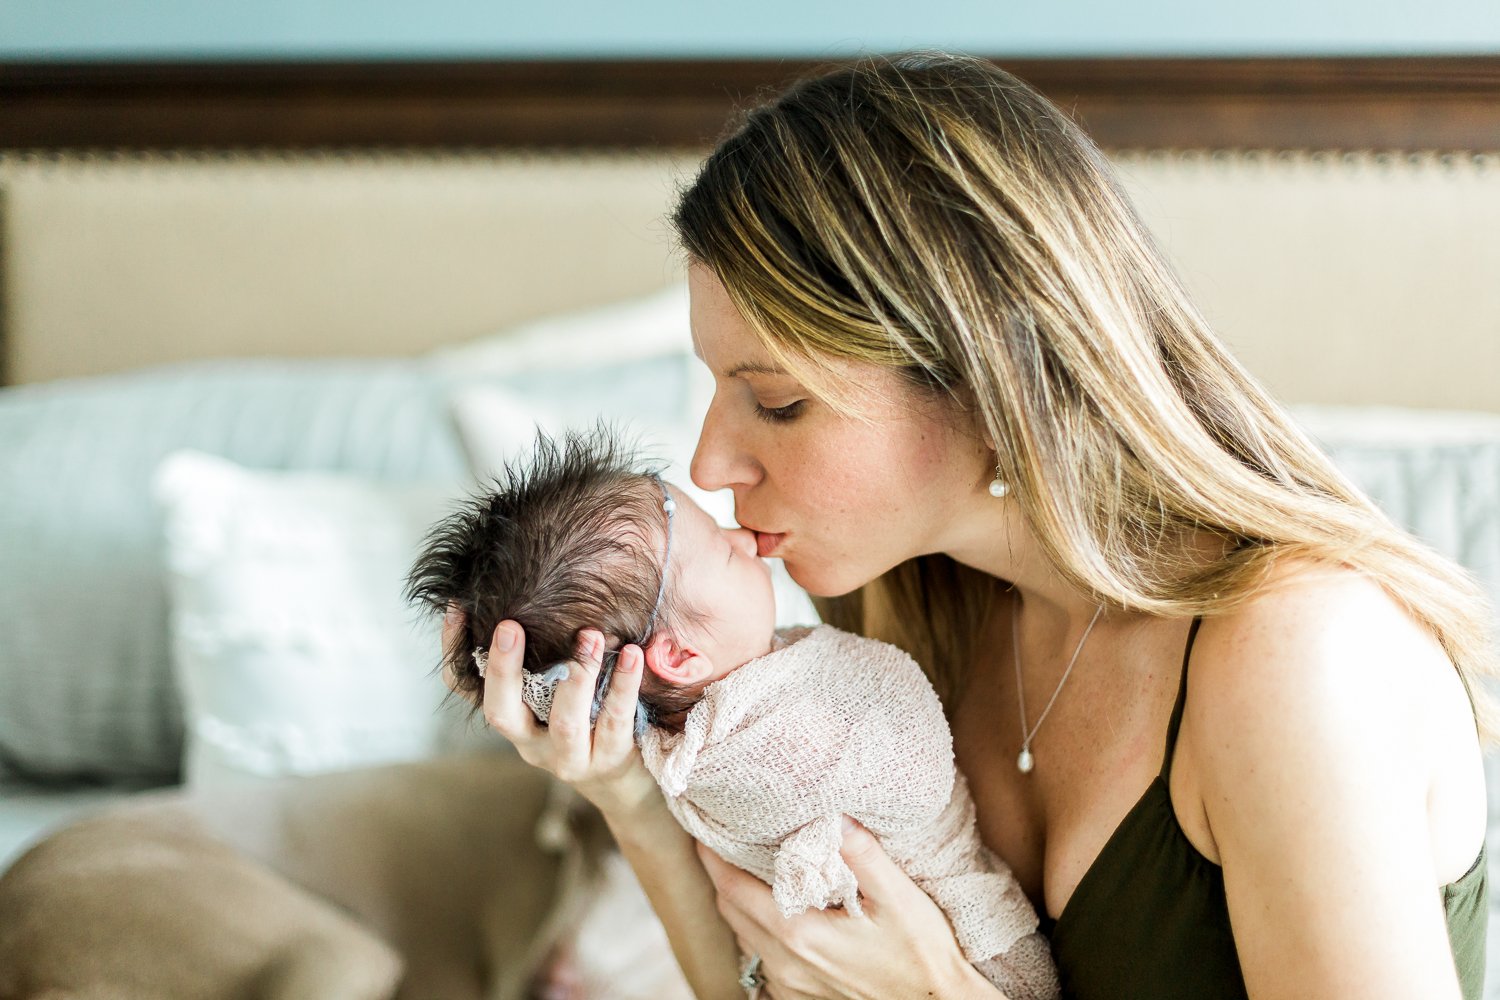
(1025, 762)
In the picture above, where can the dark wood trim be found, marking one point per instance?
(1442, 102)
(5, 306)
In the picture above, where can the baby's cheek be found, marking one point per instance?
(768, 602)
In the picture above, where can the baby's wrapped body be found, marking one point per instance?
(829, 724)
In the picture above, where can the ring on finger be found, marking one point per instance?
(751, 980)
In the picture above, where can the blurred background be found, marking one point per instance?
(652, 29)
(281, 279)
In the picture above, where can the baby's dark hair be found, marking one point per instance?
(571, 538)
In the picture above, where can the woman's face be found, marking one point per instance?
(838, 498)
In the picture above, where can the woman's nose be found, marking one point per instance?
(717, 462)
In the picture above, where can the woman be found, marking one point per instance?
(1214, 708)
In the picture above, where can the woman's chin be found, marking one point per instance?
(817, 581)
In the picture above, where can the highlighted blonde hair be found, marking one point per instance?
(936, 215)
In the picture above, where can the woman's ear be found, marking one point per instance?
(675, 663)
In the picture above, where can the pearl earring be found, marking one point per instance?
(998, 489)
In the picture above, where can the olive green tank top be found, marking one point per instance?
(1149, 920)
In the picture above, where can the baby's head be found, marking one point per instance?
(579, 538)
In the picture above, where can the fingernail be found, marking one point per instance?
(630, 659)
(849, 825)
(506, 639)
(451, 615)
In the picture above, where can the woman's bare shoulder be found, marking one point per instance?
(1316, 639)
(1315, 630)
(1317, 682)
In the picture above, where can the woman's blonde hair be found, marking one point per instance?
(936, 215)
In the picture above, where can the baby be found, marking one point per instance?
(760, 740)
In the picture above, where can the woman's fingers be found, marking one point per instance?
(504, 710)
(568, 724)
(743, 898)
(746, 904)
(614, 735)
(712, 863)
(878, 877)
(722, 874)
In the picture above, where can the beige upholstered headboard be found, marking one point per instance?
(1352, 278)
(116, 262)
(1337, 277)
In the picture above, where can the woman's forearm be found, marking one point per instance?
(665, 860)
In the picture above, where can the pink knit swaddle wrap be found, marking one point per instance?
(777, 752)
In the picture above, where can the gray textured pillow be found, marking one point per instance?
(1435, 472)
(85, 679)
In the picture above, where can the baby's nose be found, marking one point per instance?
(743, 539)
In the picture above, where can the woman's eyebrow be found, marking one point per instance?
(754, 368)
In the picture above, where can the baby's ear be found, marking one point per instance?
(675, 663)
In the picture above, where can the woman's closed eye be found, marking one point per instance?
(779, 414)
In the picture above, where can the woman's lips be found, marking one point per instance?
(767, 543)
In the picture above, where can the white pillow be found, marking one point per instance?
(633, 330)
(495, 426)
(629, 362)
(293, 648)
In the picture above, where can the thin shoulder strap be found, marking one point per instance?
(1176, 723)
(1473, 708)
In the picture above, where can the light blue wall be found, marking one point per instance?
(67, 29)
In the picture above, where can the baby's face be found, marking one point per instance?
(717, 572)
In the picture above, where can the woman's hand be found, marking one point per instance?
(902, 946)
(600, 761)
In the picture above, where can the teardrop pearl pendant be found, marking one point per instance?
(1025, 761)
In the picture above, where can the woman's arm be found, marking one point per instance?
(1311, 721)
(604, 765)
(666, 862)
